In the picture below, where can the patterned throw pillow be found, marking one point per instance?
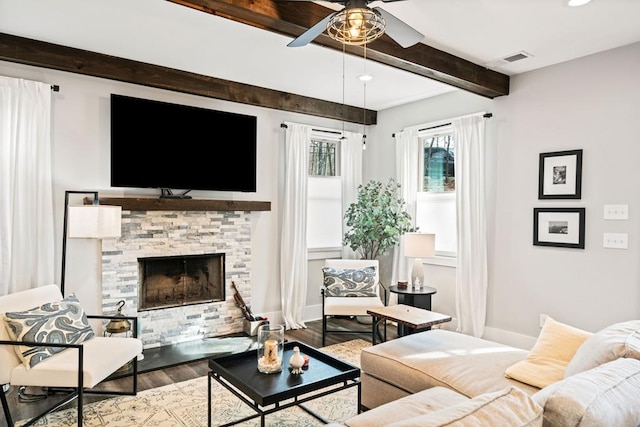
(341, 282)
(61, 322)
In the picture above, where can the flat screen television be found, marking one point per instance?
(169, 146)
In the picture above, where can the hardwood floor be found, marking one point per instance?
(312, 335)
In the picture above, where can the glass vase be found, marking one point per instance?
(270, 348)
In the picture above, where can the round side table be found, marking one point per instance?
(420, 298)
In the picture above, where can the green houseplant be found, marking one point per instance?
(377, 219)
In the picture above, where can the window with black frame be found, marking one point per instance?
(323, 155)
(438, 163)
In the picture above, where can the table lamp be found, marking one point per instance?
(418, 246)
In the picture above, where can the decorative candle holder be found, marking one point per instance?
(270, 348)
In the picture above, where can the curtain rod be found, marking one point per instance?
(55, 88)
(486, 116)
(335, 132)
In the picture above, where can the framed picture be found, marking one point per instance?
(561, 227)
(560, 175)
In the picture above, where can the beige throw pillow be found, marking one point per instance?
(546, 362)
(615, 341)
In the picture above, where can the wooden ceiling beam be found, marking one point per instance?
(48, 55)
(292, 18)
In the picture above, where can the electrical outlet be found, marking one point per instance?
(543, 317)
(615, 240)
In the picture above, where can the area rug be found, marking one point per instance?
(184, 404)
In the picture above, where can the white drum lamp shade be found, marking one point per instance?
(418, 246)
(94, 222)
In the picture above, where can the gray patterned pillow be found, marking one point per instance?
(61, 322)
(350, 282)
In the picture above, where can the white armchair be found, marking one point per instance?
(74, 356)
(351, 287)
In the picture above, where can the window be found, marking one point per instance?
(436, 200)
(322, 157)
(324, 194)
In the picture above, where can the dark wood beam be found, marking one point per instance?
(48, 55)
(293, 18)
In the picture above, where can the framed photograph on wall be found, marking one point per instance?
(560, 227)
(560, 175)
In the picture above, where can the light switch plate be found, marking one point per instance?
(619, 212)
(615, 240)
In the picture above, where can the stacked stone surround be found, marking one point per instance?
(175, 233)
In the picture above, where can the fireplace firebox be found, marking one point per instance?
(175, 281)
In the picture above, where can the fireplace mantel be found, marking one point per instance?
(166, 204)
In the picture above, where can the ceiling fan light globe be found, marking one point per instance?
(355, 19)
(356, 26)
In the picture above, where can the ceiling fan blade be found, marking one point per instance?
(402, 33)
(313, 32)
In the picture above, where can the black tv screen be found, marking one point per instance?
(170, 146)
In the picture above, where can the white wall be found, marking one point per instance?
(593, 104)
(80, 138)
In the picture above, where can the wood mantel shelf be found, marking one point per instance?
(166, 204)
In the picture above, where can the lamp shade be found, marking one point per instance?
(419, 245)
(94, 222)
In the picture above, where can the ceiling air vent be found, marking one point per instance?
(516, 57)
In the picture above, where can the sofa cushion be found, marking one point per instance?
(615, 341)
(420, 403)
(550, 355)
(102, 357)
(463, 363)
(607, 395)
(350, 282)
(510, 407)
(60, 322)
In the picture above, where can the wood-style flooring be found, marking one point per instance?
(178, 371)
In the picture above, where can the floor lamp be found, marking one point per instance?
(418, 246)
(93, 221)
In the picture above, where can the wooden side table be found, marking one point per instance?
(419, 298)
(415, 319)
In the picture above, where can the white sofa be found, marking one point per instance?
(442, 377)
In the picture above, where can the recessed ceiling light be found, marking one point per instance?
(577, 2)
(365, 77)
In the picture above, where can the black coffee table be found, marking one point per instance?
(265, 393)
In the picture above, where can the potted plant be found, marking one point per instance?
(377, 219)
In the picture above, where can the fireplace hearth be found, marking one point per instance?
(175, 281)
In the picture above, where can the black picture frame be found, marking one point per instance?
(560, 175)
(559, 227)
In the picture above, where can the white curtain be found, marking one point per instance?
(407, 173)
(351, 177)
(471, 271)
(26, 200)
(293, 242)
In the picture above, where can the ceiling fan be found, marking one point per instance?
(359, 24)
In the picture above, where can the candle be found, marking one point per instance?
(271, 352)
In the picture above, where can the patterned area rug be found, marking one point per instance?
(185, 404)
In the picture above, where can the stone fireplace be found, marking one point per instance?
(187, 307)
